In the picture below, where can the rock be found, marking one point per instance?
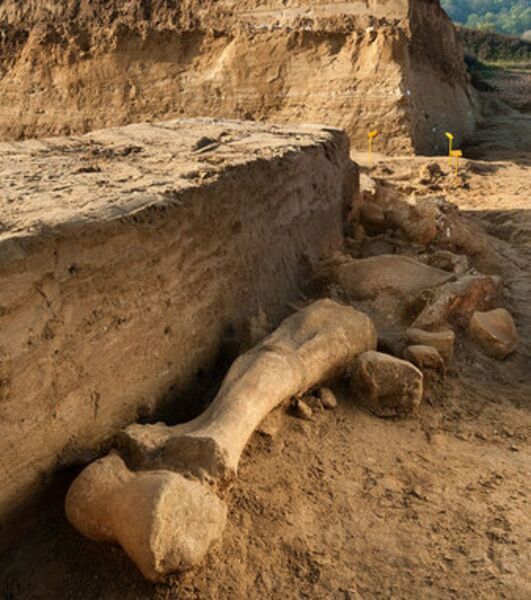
(426, 358)
(328, 398)
(443, 341)
(301, 410)
(430, 172)
(314, 402)
(385, 385)
(495, 332)
(271, 425)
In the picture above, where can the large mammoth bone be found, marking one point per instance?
(163, 518)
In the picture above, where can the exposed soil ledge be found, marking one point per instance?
(392, 65)
(125, 256)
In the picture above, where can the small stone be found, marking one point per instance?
(302, 411)
(426, 358)
(328, 398)
(314, 402)
(430, 172)
(443, 341)
(495, 332)
(385, 385)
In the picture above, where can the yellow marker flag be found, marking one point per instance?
(371, 135)
(457, 155)
(451, 138)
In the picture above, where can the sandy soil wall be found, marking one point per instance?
(125, 258)
(396, 66)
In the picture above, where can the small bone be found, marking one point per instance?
(166, 522)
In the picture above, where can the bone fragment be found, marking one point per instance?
(457, 301)
(365, 278)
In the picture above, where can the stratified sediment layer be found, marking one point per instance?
(392, 65)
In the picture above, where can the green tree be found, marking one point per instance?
(512, 17)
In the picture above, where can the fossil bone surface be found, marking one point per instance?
(310, 346)
(163, 518)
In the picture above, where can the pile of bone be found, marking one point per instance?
(162, 496)
(413, 265)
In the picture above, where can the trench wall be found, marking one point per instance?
(108, 307)
(393, 65)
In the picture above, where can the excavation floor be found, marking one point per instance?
(351, 506)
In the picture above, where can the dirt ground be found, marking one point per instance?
(350, 506)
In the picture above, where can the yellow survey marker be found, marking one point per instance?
(457, 155)
(371, 135)
(450, 145)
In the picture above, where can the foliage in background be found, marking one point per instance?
(492, 47)
(512, 17)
